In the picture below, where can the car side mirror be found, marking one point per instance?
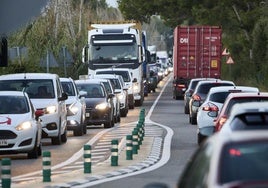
(134, 80)
(110, 95)
(63, 97)
(38, 113)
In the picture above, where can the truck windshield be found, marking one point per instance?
(117, 51)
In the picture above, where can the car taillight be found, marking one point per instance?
(197, 98)
(210, 107)
(222, 121)
(181, 86)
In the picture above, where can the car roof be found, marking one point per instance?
(28, 76)
(201, 82)
(101, 79)
(107, 76)
(88, 81)
(13, 93)
(66, 79)
(233, 89)
(247, 94)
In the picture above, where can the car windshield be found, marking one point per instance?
(68, 88)
(37, 88)
(244, 161)
(93, 90)
(13, 105)
(234, 101)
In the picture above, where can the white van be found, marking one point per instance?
(46, 93)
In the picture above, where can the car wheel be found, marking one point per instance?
(194, 121)
(108, 125)
(64, 136)
(79, 131)
(186, 110)
(190, 119)
(84, 128)
(200, 138)
(56, 140)
(35, 151)
(123, 112)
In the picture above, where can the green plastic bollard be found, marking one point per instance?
(87, 159)
(46, 166)
(114, 153)
(6, 172)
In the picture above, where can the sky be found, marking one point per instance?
(112, 3)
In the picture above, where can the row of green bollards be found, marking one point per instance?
(133, 143)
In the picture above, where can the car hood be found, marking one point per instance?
(13, 119)
(92, 102)
(43, 103)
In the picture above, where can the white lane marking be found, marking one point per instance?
(165, 154)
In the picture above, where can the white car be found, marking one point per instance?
(120, 90)
(45, 92)
(128, 81)
(247, 116)
(20, 127)
(213, 104)
(76, 107)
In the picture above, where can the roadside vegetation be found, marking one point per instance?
(64, 23)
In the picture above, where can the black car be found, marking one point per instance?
(99, 107)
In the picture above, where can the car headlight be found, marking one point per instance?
(102, 106)
(24, 126)
(51, 109)
(136, 88)
(160, 74)
(121, 96)
(73, 108)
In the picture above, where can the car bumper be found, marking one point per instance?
(13, 141)
(51, 124)
(97, 117)
(206, 131)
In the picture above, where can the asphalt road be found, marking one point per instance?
(168, 112)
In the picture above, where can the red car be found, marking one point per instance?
(235, 98)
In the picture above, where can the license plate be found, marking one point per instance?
(87, 114)
(3, 143)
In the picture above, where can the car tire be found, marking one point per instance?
(108, 125)
(186, 110)
(64, 136)
(79, 131)
(200, 138)
(56, 140)
(35, 151)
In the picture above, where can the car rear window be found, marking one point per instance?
(249, 121)
(234, 101)
(244, 161)
(204, 88)
(219, 97)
